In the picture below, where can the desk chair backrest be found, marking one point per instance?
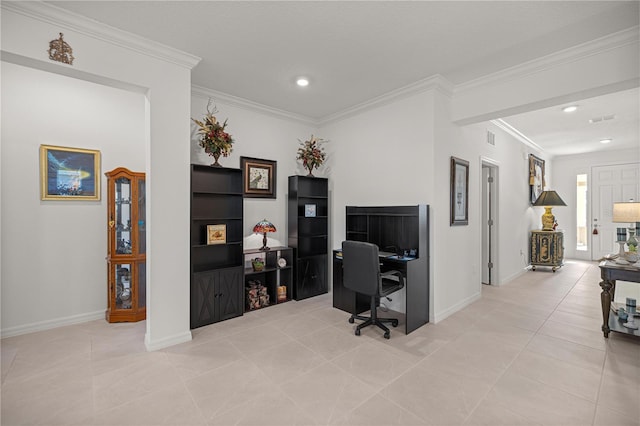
(361, 267)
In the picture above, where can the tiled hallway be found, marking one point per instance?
(527, 353)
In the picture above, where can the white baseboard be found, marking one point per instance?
(49, 324)
(439, 316)
(512, 277)
(167, 341)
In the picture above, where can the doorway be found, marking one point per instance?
(489, 221)
(611, 184)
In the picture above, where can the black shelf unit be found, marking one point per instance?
(308, 224)
(272, 276)
(216, 269)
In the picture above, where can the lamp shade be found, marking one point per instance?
(549, 198)
(626, 212)
(264, 226)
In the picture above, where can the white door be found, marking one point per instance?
(610, 184)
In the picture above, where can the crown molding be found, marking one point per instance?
(571, 54)
(516, 134)
(435, 82)
(250, 105)
(57, 16)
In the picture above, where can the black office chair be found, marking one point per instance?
(361, 273)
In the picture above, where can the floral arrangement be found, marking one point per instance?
(311, 153)
(213, 137)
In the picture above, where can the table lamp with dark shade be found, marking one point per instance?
(548, 200)
(628, 213)
(263, 227)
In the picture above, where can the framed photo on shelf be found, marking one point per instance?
(69, 173)
(259, 177)
(536, 177)
(309, 210)
(459, 192)
(216, 234)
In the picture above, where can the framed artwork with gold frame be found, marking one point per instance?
(69, 173)
(536, 177)
(216, 234)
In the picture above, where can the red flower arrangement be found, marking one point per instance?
(311, 153)
(213, 137)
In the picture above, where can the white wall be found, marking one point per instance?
(400, 153)
(515, 216)
(126, 61)
(54, 251)
(566, 168)
(257, 135)
(381, 157)
(397, 153)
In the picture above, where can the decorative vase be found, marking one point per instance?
(216, 155)
(310, 171)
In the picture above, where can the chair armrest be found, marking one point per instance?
(393, 273)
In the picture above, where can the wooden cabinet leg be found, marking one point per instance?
(605, 298)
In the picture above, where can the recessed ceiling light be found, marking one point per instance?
(570, 108)
(606, 140)
(302, 81)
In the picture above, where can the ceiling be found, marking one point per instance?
(615, 116)
(355, 51)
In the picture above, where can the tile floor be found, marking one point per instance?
(527, 353)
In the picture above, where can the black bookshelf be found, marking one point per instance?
(308, 217)
(217, 271)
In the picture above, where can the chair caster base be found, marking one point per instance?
(357, 331)
(351, 320)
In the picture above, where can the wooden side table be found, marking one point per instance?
(610, 272)
(547, 249)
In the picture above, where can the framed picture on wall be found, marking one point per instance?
(69, 173)
(459, 192)
(259, 177)
(536, 177)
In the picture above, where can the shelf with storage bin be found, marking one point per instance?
(276, 272)
(216, 259)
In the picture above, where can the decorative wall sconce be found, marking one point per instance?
(60, 51)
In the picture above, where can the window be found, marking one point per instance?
(582, 240)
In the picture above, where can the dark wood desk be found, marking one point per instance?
(416, 290)
(610, 272)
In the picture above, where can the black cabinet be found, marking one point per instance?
(311, 276)
(216, 296)
(308, 217)
(216, 244)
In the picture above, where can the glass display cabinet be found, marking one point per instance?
(126, 241)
